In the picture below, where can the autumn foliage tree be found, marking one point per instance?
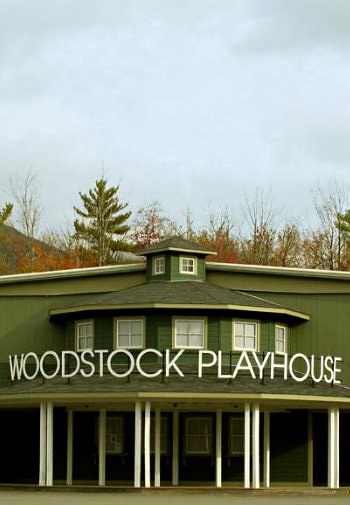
(151, 226)
(101, 224)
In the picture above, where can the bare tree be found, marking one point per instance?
(151, 225)
(259, 213)
(330, 244)
(26, 198)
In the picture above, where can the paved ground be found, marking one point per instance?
(9, 497)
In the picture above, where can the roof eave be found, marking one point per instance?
(177, 249)
(197, 306)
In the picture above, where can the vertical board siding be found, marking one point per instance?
(289, 435)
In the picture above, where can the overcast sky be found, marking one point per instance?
(190, 102)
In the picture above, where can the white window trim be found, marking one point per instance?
(195, 262)
(285, 328)
(77, 324)
(115, 330)
(232, 452)
(121, 418)
(198, 453)
(257, 338)
(202, 319)
(154, 261)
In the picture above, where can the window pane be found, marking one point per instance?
(89, 342)
(239, 329)
(114, 435)
(136, 328)
(136, 341)
(196, 341)
(196, 327)
(181, 340)
(198, 436)
(182, 327)
(280, 332)
(239, 342)
(85, 335)
(250, 330)
(249, 343)
(279, 346)
(237, 435)
(130, 333)
(123, 328)
(189, 333)
(123, 340)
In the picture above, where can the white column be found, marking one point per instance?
(255, 432)
(147, 444)
(69, 477)
(137, 453)
(157, 428)
(42, 452)
(247, 445)
(218, 448)
(102, 448)
(49, 444)
(333, 447)
(337, 447)
(267, 449)
(175, 473)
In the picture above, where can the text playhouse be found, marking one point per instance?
(68, 364)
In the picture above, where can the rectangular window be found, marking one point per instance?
(198, 435)
(189, 333)
(188, 265)
(236, 435)
(114, 435)
(245, 336)
(129, 333)
(158, 265)
(84, 335)
(281, 339)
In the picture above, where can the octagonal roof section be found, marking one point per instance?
(177, 244)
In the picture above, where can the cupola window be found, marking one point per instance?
(158, 265)
(188, 265)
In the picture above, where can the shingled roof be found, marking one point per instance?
(177, 244)
(184, 295)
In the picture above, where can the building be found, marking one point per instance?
(175, 372)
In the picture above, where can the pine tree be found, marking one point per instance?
(103, 222)
(5, 213)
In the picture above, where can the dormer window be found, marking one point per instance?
(188, 265)
(158, 265)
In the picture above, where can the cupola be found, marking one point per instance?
(176, 259)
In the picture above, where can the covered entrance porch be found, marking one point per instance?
(179, 441)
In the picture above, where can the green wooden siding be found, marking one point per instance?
(175, 269)
(289, 447)
(149, 268)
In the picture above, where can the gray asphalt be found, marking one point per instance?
(168, 498)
